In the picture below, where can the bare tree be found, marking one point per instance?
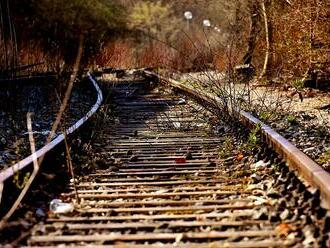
(254, 11)
(267, 11)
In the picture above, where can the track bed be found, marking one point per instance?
(163, 184)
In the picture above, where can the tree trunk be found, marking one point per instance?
(254, 31)
(70, 61)
(266, 6)
(69, 55)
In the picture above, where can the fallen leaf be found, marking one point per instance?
(239, 157)
(180, 160)
(178, 238)
(284, 229)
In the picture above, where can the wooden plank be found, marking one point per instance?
(152, 236)
(106, 179)
(232, 215)
(191, 188)
(165, 166)
(163, 152)
(164, 143)
(168, 224)
(269, 243)
(164, 202)
(173, 139)
(156, 146)
(171, 162)
(158, 173)
(224, 244)
(161, 195)
(174, 167)
(142, 157)
(151, 183)
(167, 209)
(202, 156)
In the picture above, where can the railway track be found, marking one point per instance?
(162, 183)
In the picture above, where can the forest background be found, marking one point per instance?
(279, 39)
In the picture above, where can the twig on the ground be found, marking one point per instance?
(70, 167)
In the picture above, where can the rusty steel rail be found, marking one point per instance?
(9, 172)
(311, 172)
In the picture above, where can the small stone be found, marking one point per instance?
(326, 225)
(310, 149)
(101, 163)
(320, 212)
(245, 159)
(300, 188)
(290, 187)
(134, 158)
(74, 180)
(177, 124)
(314, 202)
(326, 166)
(262, 214)
(49, 176)
(259, 165)
(189, 156)
(282, 189)
(9, 132)
(304, 219)
(282, 204)
(229, 161)
(285, 215)
(40, 212)
(114, 168)
(309, 237)
(212, 163)
(255, 178)
(219, 129)
(59, 207)
(273, 194)
(182, 101)
(298, 211)
(274, 217)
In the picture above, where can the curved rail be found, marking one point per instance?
(9, 172)
(311, 172)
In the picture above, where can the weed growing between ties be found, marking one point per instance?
(88, 151)
(292, 120)
(86, 146)
(20, 179)
(324, 159)
(227, 147)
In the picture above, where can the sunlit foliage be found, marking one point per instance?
(155, 19)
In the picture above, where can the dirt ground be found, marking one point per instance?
(300, 115)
